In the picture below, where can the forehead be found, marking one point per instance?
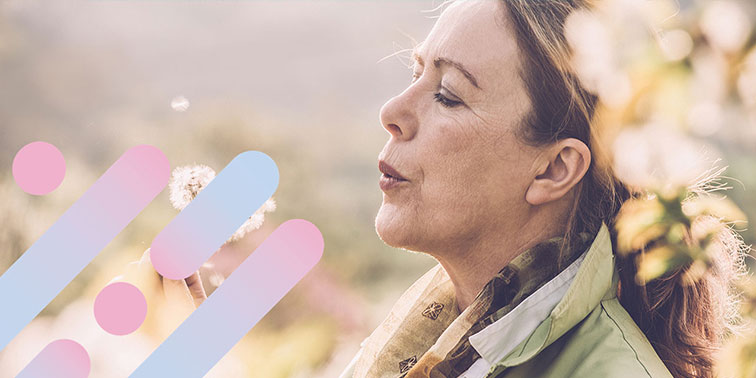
(477, 34)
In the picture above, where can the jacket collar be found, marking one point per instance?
(499, 338)
(596, 279)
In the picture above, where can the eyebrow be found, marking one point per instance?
(438, 61)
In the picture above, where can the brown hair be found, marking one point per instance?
(684, 322)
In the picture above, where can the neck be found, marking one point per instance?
(472, 266)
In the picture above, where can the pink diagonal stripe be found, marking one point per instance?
(60, 359)
(238, 304)
(108, 206)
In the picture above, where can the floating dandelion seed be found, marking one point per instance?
(187, 181)
(180, 104)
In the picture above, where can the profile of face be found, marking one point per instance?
(453, 138)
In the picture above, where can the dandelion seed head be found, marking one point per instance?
(255, 221)
(186, 182)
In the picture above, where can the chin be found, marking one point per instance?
(400, 227)
(392, 227)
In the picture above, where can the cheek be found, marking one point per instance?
(472, 173)
(466, 184)
(464, 161)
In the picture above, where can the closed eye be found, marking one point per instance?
(445, 101)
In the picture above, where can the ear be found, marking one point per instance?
(564, 165)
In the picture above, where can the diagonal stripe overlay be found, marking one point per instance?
(214, 215)
(238, 304)
(60, 359)
(127, 187)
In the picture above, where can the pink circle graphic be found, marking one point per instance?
(39, 168)
(120, 308)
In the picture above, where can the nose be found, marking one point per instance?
(399, 116)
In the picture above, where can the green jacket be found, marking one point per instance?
(588, 333)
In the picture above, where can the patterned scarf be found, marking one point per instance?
(425, 335)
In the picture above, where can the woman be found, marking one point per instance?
(492, 169)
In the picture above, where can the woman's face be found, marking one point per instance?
(452, 136)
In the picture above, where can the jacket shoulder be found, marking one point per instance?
(620, 348)
(607, 343)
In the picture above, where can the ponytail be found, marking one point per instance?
(686, 318)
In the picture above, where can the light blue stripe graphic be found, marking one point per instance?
(214, 215)
(117, 197)
(281, 261)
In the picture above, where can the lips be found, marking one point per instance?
(391, 178)
(389, 171)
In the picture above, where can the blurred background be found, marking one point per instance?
(302, 81)
(298, 80)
